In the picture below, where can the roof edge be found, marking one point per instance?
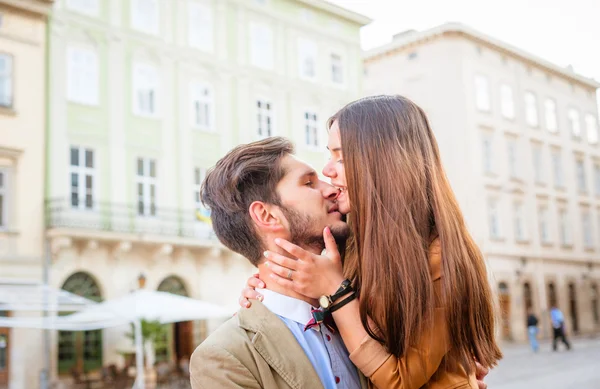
(352, 16)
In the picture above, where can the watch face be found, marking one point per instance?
(324, 302)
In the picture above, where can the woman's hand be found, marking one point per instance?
(308, 274)
(249, 292)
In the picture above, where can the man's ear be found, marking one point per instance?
(265, 216)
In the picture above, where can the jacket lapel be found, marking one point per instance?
(278, 346)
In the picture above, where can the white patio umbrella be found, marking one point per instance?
(131, 308)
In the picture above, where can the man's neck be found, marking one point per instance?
(264, 273)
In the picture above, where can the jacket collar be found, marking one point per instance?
(278, 346)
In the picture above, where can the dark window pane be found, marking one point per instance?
(140, 167)
(140, 207)
(74, 199)
(74, 180)
(258, 103)
(89, 159)
(88, 182)
(74, 156)
(1, 180)
(197, 176)
(2, 210)
(152, 168)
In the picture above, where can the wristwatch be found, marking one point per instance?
(326, 301)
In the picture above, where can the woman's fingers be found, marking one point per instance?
(295, 251)
(281, 260)
(255, 283)
(281, 271)
(331, 248)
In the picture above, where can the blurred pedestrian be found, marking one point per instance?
(532, 329)
(558, 326)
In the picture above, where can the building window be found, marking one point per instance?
(531, 109)
(202, 106)
(261, 46)
(557, 169)
(82, 76)
(199, 175)
(145, 90)
(6, 80)
(538, 168)
(146, 186)
(337, 69)
(580, 174)
(574, 122)
(145, 16)
(4, 198)
(494, 219)
(487, 151)
(88, 7)
(544, 228)
(520, 234)
(307, 59)
(586, 225)
(597, 179)
(551, 116)
(311, 130)
(83, 177)
(200, 26)
(507, 101)
(80, 348)
(482, 93)
(512, 154)
(564, 227)
(591, 125)
(265, 118)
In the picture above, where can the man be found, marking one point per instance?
(256, 193)
(558, 326)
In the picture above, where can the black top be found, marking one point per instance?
(532, 321)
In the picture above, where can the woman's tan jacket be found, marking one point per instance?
(426, 362)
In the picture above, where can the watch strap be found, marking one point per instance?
(342, 303)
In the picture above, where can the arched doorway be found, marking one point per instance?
(573, 307)
(504, 301)
(4, 353)
(594, 301)
(80, 351)
(527, 296)
(552, 301)
(177, 340)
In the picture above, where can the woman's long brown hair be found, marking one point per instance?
(400, 199)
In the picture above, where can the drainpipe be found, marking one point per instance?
(45, 373)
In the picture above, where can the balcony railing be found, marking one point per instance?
(125, 218)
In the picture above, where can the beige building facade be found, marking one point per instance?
(519, 140)
(23, 26)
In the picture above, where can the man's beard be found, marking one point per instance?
(302, 231)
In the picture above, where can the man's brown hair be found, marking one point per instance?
(246, 174)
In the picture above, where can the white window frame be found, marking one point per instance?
(551, 115)
(199, 175)
(202, 99)
(507, 101)
(574, 122)
(531, 110)
(265, 117)
(83, 77)
(519, 222)
(146, 86)
(487, 152)
(483, 101)
(150, 23)
(150, 208)
(201, 26)
(337, 68)
(262, 46)
(308, 59)
(7, 80)
(544, 225)
(82, 171)
(591, 126)
(512, 153)
(580, 175)
(311, 129)
(86, 7)
(564, 227)
(588, 233)
(597, 179)
(495, 225)
(557, 168)
(537, 156)
(5, 194)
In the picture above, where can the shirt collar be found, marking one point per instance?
(287, 307)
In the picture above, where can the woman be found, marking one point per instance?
(424, 306)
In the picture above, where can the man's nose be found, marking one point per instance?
(330, 192)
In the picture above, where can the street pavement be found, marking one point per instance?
(522, 369)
